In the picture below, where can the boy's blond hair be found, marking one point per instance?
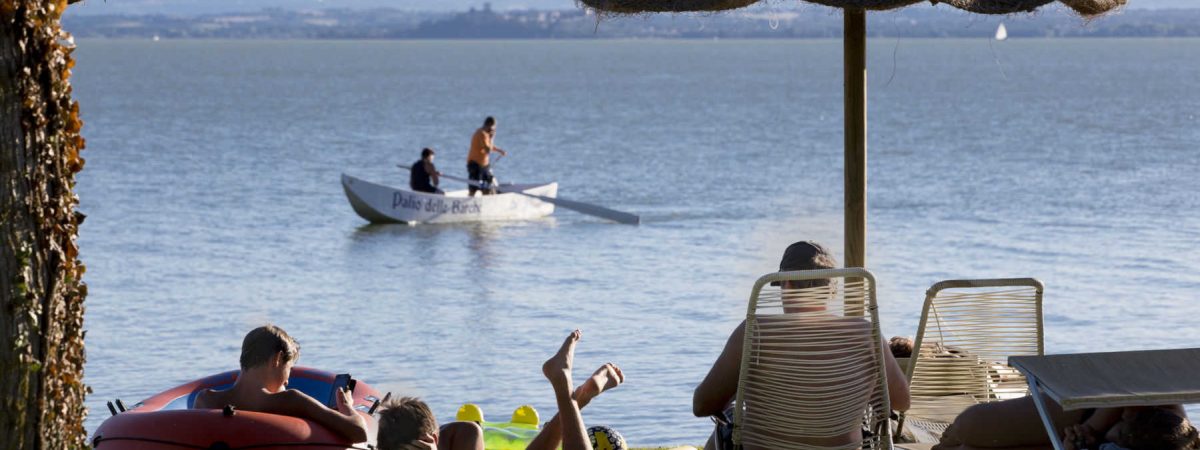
(262, 343)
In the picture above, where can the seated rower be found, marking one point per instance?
(424, 176)
(268, 354)
(408, 423)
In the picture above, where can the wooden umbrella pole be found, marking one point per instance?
(855, 50)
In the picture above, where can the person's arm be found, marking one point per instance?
(897, 381)
(433, 173)
(202, 400)
(719, 387)
(1091, 431)
(343, 421)
(489, 146)
(1104, 418)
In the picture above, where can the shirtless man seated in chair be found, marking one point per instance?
(715, 395)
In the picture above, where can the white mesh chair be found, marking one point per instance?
(968, 330)
(812, 372)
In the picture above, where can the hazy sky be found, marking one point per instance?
(220, 6)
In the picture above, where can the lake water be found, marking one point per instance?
(214, 204)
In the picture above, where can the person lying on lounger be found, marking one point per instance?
(268, 354)
(714, 395)
(408, 423)
(1015, 424)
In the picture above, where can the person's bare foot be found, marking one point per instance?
(606, 377)
(557, 369)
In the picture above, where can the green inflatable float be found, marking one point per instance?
(512, 435)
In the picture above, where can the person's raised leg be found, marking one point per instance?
(606, 377)
(460, 436)
(557, 370)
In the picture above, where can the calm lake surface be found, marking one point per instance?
(214, 204)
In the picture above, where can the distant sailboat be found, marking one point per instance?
(1001, 33)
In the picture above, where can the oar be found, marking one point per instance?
(581, 207)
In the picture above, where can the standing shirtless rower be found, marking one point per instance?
(479, 157)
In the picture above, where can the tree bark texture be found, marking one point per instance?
(41, 295)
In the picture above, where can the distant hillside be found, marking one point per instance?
(192, 7)
(485, 23)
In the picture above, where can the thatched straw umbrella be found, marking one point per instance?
(855, 49)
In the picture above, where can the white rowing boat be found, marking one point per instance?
(384, 204)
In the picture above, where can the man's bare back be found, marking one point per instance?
(287, 402)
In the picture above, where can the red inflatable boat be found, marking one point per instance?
(167, 422)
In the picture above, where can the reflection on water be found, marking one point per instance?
(427, 239)
(478, 243)
(430, 256)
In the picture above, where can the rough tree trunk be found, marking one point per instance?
(41, 296)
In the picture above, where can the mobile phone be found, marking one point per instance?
(340, 381)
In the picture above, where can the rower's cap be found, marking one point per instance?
(806, 255)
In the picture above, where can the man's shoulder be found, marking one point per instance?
(294, 394)
(291, 401)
